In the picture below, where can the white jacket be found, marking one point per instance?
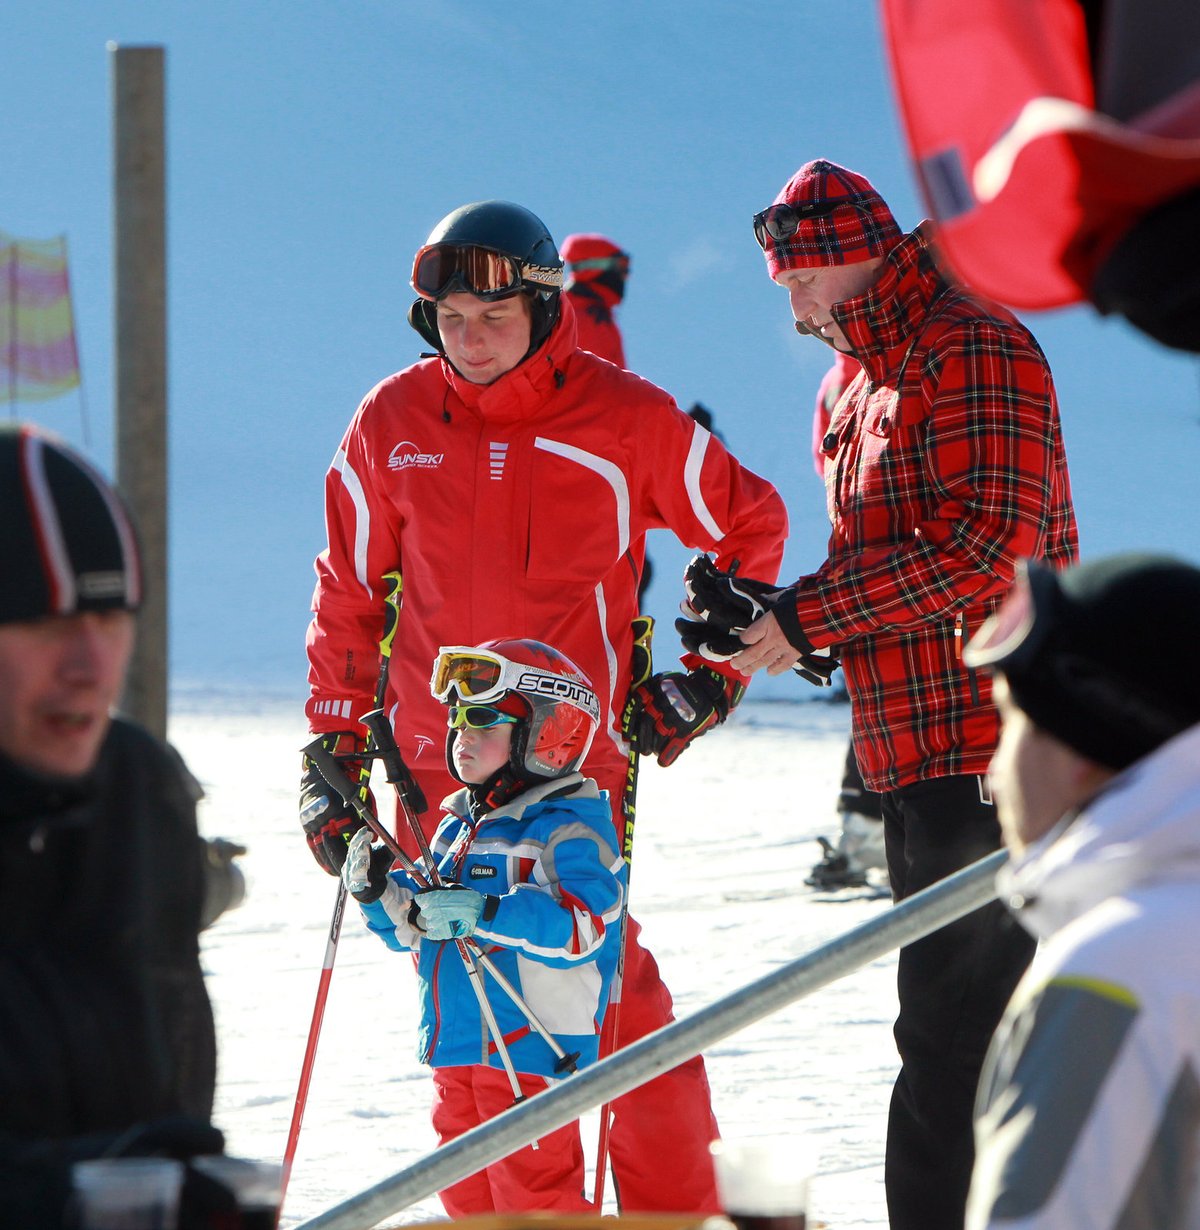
(1088, 1112)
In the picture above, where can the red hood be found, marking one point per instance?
(521, 391)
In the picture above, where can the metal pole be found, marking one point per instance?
(668, 1047)
(139, 243)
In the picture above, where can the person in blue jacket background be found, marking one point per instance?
(533, 876)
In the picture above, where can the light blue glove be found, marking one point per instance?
(448, 913)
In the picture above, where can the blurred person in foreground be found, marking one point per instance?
(944, 466)
(109, 1045)
(1089, 1104)
(511, 478)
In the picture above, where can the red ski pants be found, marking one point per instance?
(658, 1143)
(550, 1176)
(661, 1130)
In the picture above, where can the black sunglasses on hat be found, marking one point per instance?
(781, 222)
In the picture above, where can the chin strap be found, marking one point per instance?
(503, 785)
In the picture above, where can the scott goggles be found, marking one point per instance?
(440, 269)
(465, 673)
(781, 222)
(477, 717)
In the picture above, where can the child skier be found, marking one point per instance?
(533, 878)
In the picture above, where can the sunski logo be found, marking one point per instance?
(577, 694)
(406, 456)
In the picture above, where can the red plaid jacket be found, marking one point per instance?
(945, 465)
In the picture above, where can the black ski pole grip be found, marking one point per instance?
(335, 777)
(333, 773)
(393, 763)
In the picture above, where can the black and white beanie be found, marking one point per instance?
(66, 543)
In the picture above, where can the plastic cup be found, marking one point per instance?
(127, 1193)
(257, 1187)
(764, 1184)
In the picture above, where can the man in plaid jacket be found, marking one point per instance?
(944, 465)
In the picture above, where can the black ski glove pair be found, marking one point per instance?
(672, 709)
(328, 822)
(721, 604)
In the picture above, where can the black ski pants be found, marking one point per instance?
(953, 987)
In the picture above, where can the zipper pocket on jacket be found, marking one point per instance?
(437, 1007)
(960, 639)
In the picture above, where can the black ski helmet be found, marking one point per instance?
(512, 231)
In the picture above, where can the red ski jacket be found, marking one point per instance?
(595, 318)
(518, 508)
(946, 465)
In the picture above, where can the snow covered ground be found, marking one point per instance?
(724, 840)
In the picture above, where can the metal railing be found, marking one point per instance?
(910, 920)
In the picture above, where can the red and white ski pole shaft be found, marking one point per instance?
(642, 668)
(391, 613)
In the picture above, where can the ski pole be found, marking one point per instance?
(391, 614)
(314, 1033)
(397, 772)
(642, 667)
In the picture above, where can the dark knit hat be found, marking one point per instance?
(67, 543)
(825, 215)
(1104, 656)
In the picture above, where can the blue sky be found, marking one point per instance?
(311, 147)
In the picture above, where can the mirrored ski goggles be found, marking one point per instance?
(781, 222)
(1012, 636)
(442, 268)
(591, 263)
(472, 674)
(477, 717)
(480, 676)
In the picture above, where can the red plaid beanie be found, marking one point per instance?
(858, 232)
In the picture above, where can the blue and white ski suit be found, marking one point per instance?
(550, 861)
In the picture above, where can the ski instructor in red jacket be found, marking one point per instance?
(511, 478)
(944, 466)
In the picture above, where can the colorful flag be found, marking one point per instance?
(38, 355)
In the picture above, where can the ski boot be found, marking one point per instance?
(859, 851)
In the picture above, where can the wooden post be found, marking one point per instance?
(140, 393)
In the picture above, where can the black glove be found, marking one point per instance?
(670, 710)
(721, 604)
(723, 599)
(328, 822)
